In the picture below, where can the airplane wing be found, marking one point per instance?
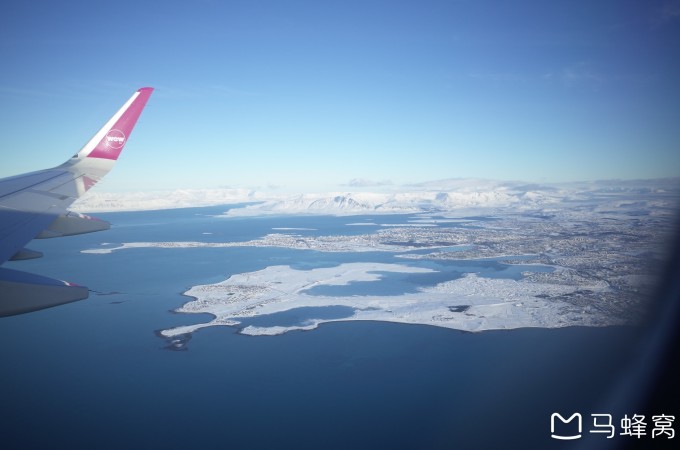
(34, 205)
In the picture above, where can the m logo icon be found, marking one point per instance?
(578, 424)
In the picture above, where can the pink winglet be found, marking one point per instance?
(112, 143)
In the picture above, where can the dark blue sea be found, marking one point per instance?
(95, 375)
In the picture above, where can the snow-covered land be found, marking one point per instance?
(96, 201)
(469, 303)
(603, 241)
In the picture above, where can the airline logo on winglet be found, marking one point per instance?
(109, 141)
(115, 139)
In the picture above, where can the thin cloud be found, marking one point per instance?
(21, 92)
(499, 77)
(668, 12)
(581, 73)
(232, 92)
(182, 91)
(363, 182)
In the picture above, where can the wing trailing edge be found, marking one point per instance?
(24, 292)
(71, 224)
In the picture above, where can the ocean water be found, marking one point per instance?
(94, 374)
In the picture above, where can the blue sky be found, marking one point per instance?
(308, 95)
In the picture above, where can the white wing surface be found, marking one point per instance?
(34, 205)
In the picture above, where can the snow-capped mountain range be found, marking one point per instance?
(434, 196)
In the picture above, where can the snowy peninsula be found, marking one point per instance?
(470, 303)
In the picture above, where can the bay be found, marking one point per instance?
(94, 374)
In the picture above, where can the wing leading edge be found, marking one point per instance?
(34, 205)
